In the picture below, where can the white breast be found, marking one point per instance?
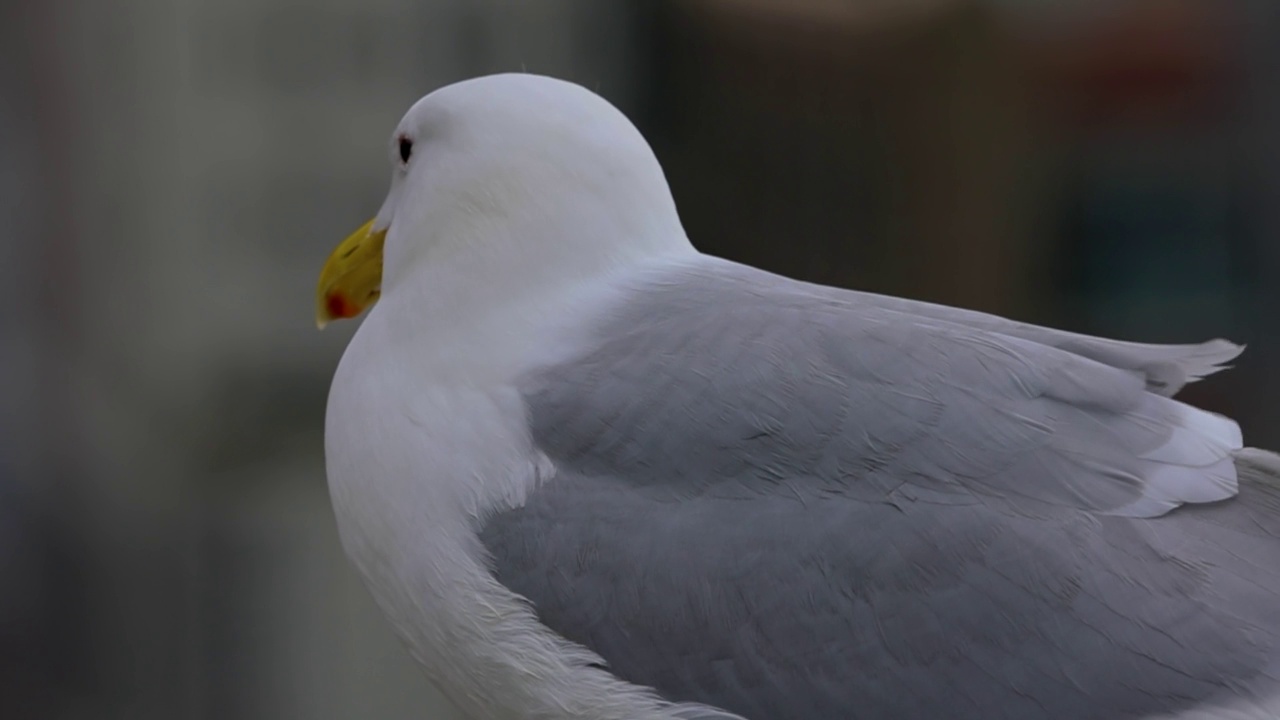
(419, 444)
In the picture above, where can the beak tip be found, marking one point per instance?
(325, 313)
(336, 306)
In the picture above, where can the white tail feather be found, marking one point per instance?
(1196, 464)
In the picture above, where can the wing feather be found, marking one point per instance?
(766, 371)
(796, 504)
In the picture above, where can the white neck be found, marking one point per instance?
(486, 284)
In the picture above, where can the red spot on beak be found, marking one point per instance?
(340, 308)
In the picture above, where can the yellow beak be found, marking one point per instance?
(352, 276)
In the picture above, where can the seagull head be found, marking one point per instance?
(503, 179)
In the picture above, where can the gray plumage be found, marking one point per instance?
(799, 503)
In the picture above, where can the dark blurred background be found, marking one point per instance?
(174, 172)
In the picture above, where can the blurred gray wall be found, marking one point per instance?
(172, 175)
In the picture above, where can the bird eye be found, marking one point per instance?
(406, 149)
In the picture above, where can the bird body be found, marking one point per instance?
(589, 472)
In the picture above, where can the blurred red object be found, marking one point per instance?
(1139, 60)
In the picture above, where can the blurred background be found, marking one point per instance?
(174, 172)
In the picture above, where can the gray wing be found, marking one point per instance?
(796, 504)
(1165, 368)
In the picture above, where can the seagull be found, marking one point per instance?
(588, 472)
